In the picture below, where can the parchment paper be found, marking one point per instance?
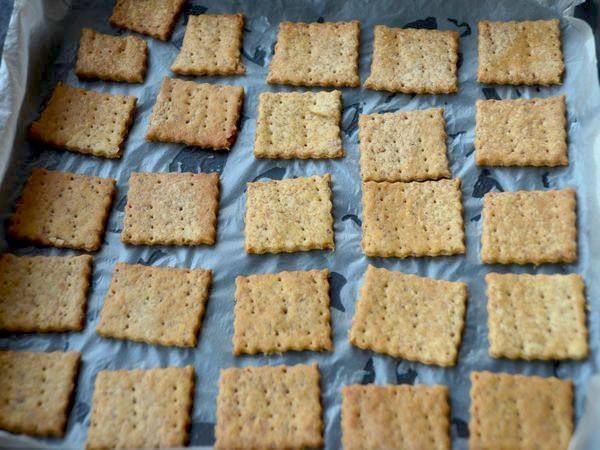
(34, 60)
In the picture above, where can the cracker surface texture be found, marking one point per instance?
(196, 114)
(85, 121)
(521, 132)
(536, 316)
(171, 209)
(63, 209)
(316, 54)
(43, 294)
(412, 219)
(529, 227)
(299, 125)
(211, 46)
(269, 407)
(395, 417)
(403, 146)
(36, 391)
(414, 61)
(289, 215)
(526, 52)
(410, 317)
(155, 18)
(149, 408)
(155, 305)
(111, 58)
(283, 311)
(520, 412)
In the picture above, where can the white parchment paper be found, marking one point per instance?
(40, 50)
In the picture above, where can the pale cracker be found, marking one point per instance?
(316, 54)
(85, 121)
(299, 125)
(171, 209)
(410, 317)
(197, 114)
(155, 305)
(269, 407)
(536, 316)
(155, 18)
(521, 132)
(43, 294)
(149, 408)
(111, 58)
(395, 417)
(414, 61)
(211, 46)
(412, 219)
(36, 391)
(526, 52)
(289, 215)
(63, 209)
(520, 412)
(529, 227)
(403, 146)
(284, 311)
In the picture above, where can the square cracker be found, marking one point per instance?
(414, 61)
(316, 54)
(36, 391)
(269, 407)
(149, 408)
(155, 18)
(412, 219)
(403, 146)
(111, 58)
(517, 411)
(197, 114)
(529, 227)
(299, 125)
(171, 209)
(289, 215)
(536, 316)
(211, 46)
(155, 305)
(521, 132)
(398, 417)
(85, 121)
(281, 312)
(43, 294)
(63, 209)
(410, 317)
(526, 52)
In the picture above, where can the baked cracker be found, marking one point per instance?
(43, 294)
(403, 146)
(171, 209)
(412, 219)
(269, 407)
(395, 417)
(155, 18)
(299, 125)
(63, 209)
(149, 408)
(36, 390)
(316, 54)
(289, 215)
(529, 227)
(536, 316)
(284, 311)
(520, 412)
(197, 114)
(414, 61)
(155, 305)
(85, 121)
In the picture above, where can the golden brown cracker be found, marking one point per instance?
(155, 18)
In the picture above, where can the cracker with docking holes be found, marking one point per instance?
(154, 18)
